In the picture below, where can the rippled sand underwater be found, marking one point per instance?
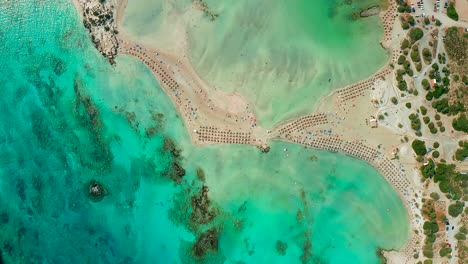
(283, 56)
(68, 118)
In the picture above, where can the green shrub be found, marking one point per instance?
(402, 85)
(418, 66)
(462, 153)
(416, 34)
(427, 55)
(436, 145)
(419, 147)
(426, 85)
(435, 196)
(451, 12)
(401, 59)
(445, 251)
(404, 44)
(423, 110)
(460, 236)
(435, 154)
(456, 209)
(415, 56)
(460, 123)
(427, 21)
(408, 105)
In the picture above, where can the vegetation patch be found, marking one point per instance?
(460, 123)
(416, 34)
(456, 45)
(462, 153)
(419, 147)
(452, 12)
(451, 182)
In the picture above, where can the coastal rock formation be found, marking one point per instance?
(264, 148)
(95, 191)
(371, 11)
(98, 18)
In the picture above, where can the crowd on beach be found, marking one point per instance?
(359, 88)
(215, 135)
(193, 102)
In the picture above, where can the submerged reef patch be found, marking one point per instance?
(175, 172)
(87, 113)
(159, 120)
(281, 247)
(202, 213)
(206, 242)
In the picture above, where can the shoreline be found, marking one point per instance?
(215, 123)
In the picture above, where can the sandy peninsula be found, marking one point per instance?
(361, 120)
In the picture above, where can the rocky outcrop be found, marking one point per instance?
(371, 11)
(98, 18)
(95, 191)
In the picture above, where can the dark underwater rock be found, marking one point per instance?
(169, 145)
(177, 172)
(4, 218)
(281, 247)
(95, 191)
(201, 174)
(201, 208)
(206, 242)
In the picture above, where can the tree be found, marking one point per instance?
(423, 110)
(460, 236)
(435, 196)
(462, 152)
(419, 147)
(452, 12)
(445, 251)
(461, 123)
(427, 21)
(416, 34)
(455, 209)
(401, 59)
(404, 44)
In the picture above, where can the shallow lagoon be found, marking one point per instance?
(281, 55)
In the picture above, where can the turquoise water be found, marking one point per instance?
(68, 118)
